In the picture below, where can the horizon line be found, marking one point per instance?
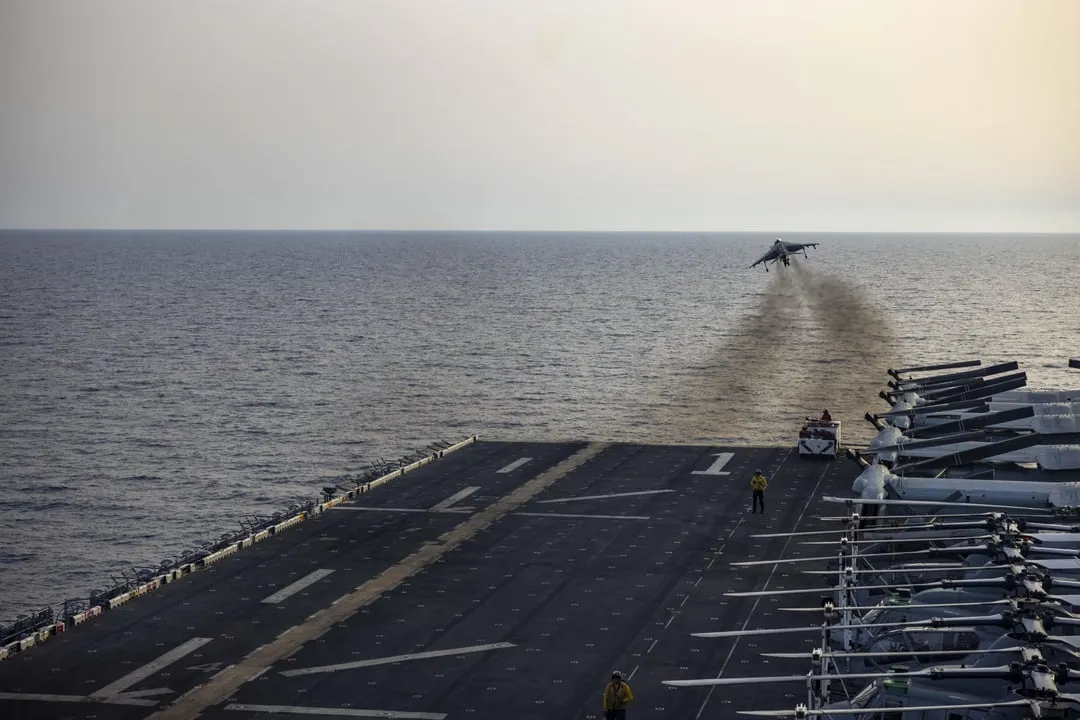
(538, 232)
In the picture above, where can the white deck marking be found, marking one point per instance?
(721, 460)
(147, 693)
(604, 497)
(139, 674)
(369, 508)
(397, 658)
(292, 589)
(379, 509)
(768, 580)
(336, 712)
(44, 697)
(454, 499)
(514, 465)
(222, 685)
(583, 515)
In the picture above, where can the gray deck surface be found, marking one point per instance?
(560, 599)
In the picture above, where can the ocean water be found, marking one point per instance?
(157, 387)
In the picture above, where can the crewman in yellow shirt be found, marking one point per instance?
(758, 483)
(617, 696)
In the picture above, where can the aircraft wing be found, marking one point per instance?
(793, 247)
(771, 255)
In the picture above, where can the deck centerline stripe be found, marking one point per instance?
(225, 683)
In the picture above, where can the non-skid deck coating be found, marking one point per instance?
(505, 580)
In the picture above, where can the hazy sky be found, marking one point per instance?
(541, 114)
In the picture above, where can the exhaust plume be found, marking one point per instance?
(813, 341)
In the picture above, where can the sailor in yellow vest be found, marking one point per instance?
(617, 696)
(758, 483)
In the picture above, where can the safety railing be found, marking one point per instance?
(31, 628)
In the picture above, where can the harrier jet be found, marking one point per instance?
(781, 252)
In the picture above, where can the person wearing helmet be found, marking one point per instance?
(617, 696)
(758, 483)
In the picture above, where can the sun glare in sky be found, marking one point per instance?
(891, 115)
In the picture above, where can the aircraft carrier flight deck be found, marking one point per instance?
(501, 580)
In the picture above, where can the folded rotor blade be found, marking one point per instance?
(901, 448)
(932, 503)
(886, 541)
(902, 653)
(918, 384)
(927, 526)
(939, 366)
(826, 591)
(752, 563)
(924, 516)
(982, 452)
(980, 421)
(1007, 382)
(1053, 527)
(927, 409)
(828, 712)
(915, 605)
(943, 567)
(705, 682)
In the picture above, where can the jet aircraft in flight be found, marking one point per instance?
(781, 252)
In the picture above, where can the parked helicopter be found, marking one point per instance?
(1026, 635)
(947, 692)
(974, 569)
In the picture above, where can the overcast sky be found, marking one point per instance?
(852, 115)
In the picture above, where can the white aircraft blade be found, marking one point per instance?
(824, 590)
(1053, 527)
(929, 622)
(944, 567)
(954, 539)
(770, 631)
(905, 653)
(906, 606)
(705, 682)
(841, 531)
(933, 503)
(988, 582)
(826, 712)
(924, 516)
(1066, 552)
(750, 563)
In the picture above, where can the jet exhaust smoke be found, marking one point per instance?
(814, 341)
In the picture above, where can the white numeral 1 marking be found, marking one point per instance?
(722, 459)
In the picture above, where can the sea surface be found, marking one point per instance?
(155, 388)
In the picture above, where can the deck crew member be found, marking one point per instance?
(758, 483)
(826, 416)
(617, 696)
